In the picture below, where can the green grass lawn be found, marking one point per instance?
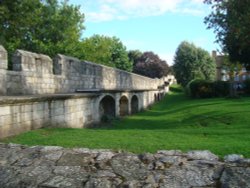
(219, 125)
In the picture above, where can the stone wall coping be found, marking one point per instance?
(2, 49)
(131, 73)
(31, 54)
(5, 100)
(112, 90)
(69, 58)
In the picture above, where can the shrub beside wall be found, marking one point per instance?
(207, 89)
(247, 86)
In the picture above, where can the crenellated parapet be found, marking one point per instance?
(34, 73)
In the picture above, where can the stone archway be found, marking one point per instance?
(107, 108)
(155, 98)
(123, 106)
(134, 104)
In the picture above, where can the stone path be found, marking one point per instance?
(52, 167)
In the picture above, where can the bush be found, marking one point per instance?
(207, 89)
(247, 86)
(200, 89)
(221, 88)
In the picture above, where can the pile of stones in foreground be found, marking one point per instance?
(50, 166)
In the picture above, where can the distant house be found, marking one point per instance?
(222, 72)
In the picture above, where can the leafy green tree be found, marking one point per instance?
(107, 51)
(149, 64)
(43, 26)
(134, 56)
(230, 20)
(206, 63)
(191, 62)
(18, 20)
(97, 49)
(119, 55)
(60, 29)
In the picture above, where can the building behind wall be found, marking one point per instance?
(222, 71)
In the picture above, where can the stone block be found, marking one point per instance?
(3, 58)
(6, 120)
(37, 115)
(17, 119)
(27, 116)
(39, 106)
(27, 108)
(17, 109)
(5, 110)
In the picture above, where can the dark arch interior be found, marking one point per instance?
(155, 97)
(134, 104)
(107, 107)
(123, 106)
(159, 97)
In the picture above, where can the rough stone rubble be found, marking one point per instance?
(50, 166)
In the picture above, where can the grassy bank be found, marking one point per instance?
(219, 125)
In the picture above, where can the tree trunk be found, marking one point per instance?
(232, 90)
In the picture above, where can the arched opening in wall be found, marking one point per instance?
(155, 97)
(123, 106)
(107, 108)
(159, 97)
(162, 95)
(134, 104)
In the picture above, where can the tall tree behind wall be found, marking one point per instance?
(42, 26)
(106, 50)
(230, 20)
(191, 62)
(149, 64)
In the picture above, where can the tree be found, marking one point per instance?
(231, 23)
(191, 62)
(97, 49)
(107, 51)
(42, 26)
(18, 19)
(206, 63)
(119, 55)
(149, 64)
(134, 56)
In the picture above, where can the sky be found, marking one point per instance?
(149, 25)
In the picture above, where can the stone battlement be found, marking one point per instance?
(38, 74)
(67, 92)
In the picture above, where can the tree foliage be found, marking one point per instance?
(43, 26)
(134, 56)
(191, 62)
(230, 20)
(149, 64)
(107, 51)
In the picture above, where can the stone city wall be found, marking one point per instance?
(20, 114)
(39, 92)
(51, 166)
(74, 110)
(37, 74)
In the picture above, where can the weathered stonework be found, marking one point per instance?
(52, 166)
(37, 74)
(66, 92)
